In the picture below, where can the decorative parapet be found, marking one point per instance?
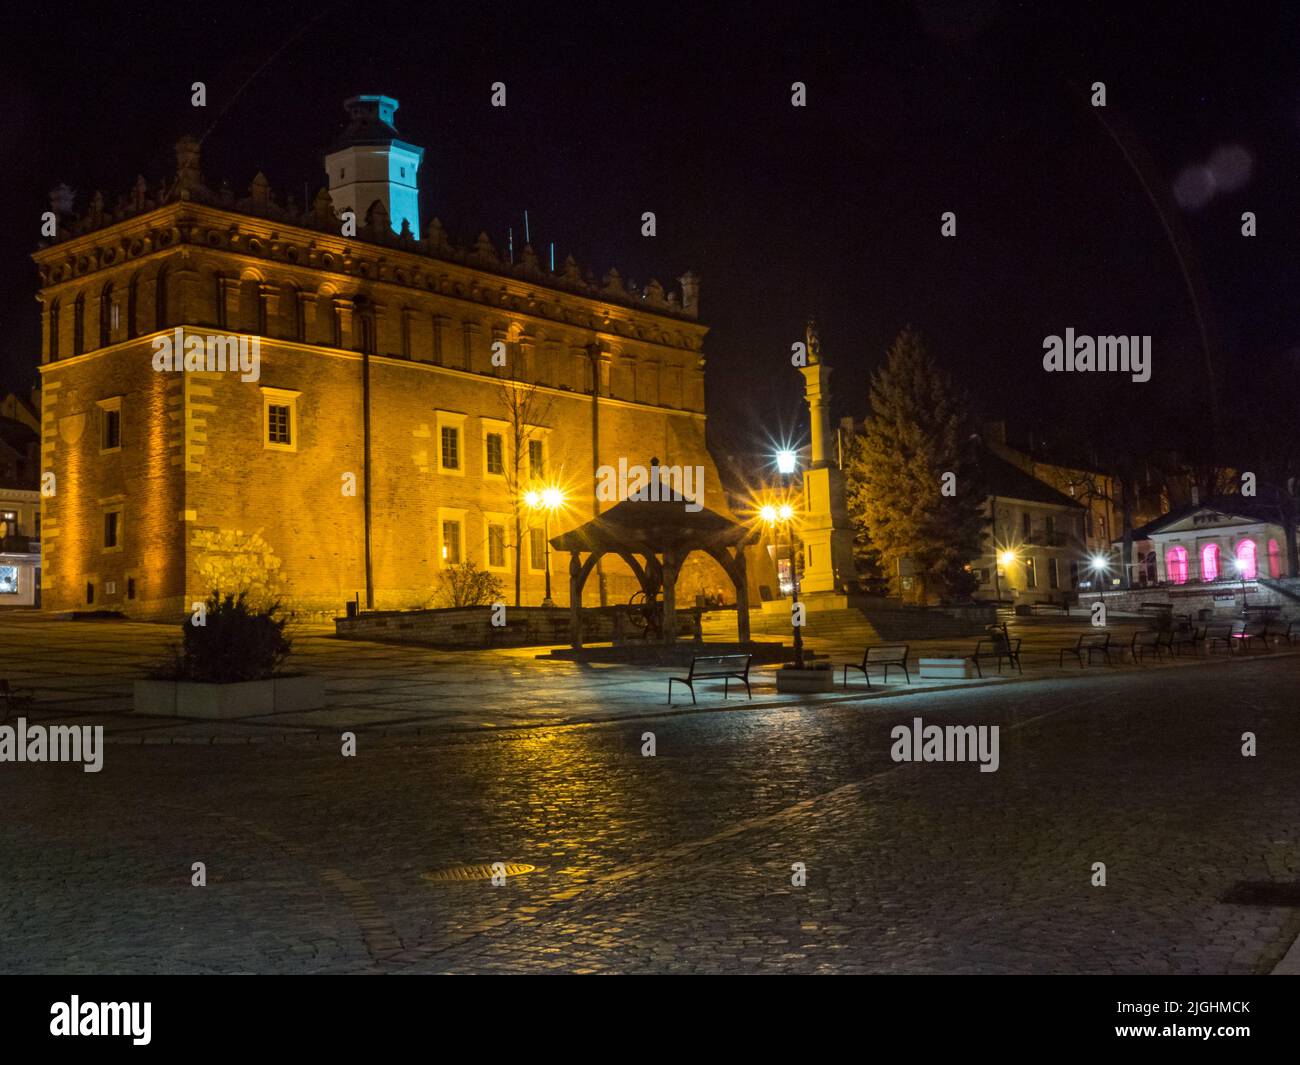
(262, 202)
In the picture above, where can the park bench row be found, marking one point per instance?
(1001, 647)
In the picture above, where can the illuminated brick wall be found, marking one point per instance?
(200, 492)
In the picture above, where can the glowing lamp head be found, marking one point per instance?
(552, 498)
(1099, 562)
(1007, 557)
(786, 461)
(785, 512)
(768, 513)
(533, 500)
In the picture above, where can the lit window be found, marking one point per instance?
(451, 543)
(536, 460)
(1176, 565)
(8, 580)
(536, 549)
(1210, 562)
(1246, 566)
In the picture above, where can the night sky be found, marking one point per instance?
(834, 209)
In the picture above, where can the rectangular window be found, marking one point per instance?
(450, 447)
(496, 454)
(8, 524)
(496, 547)
(451, 543)
(279, 419)
(537, 550)
(1031, 575)
(1024, 522)
(110, 424)
(8, 580)
(536, 460)
(1053, 574)
(279, 424)
(1074, 575)
(112, 430)
(112, 529)
(1050, 526)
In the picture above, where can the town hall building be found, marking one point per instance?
(332, 401)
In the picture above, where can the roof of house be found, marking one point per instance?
(1008, 481)
(1256, 509)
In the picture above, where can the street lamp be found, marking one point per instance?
(1004, 560)
(786, 461)
(547, 500)
(1099, 565)
(776, 514)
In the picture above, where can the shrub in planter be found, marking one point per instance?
(234, 643)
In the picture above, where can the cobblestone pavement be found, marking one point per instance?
(81, 671)
(682, 861)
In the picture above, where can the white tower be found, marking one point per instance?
(370, 164)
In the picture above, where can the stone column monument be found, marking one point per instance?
(825, 531)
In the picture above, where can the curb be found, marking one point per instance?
(858, 696)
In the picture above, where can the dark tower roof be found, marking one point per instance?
(370, 121)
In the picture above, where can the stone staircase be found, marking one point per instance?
(864, 622)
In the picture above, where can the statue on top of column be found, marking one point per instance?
(813, 341)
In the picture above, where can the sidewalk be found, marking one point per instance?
(82, 672)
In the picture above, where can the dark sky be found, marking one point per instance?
(834, 209)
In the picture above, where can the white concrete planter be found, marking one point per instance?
(805, 680)
(187, 698)
(947, 668)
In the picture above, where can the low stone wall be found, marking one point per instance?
(1221, 600)
(471, 626)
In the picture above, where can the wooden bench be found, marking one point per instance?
(1157, 640)
(725, 668)
(999, 646)
(883, 655)
(1291, 633)
(1089, 643)
(1189, 636)
(1231, 636)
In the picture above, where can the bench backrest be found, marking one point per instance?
(719, 665)
(892, 652)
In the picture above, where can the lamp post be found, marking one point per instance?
(548, 500)
(787, 462)
(1099, 566)
(1007, 559)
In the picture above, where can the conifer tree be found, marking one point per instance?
(920, 429)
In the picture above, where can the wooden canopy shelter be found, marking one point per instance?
(654, 539)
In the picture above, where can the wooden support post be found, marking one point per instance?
(575, 600)
(670, 597)
(741, 580)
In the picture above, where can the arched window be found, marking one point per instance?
(160, 299)
(55, 311)
(132, 301)
(79, 325)
(107, 312)
(1176, 565)
(1274, 559)
(1245, 554)
(1210, 562)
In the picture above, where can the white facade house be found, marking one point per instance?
(1225, 540)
